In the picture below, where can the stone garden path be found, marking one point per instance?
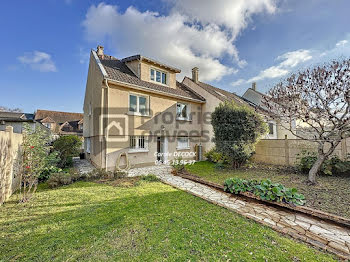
(315, 231)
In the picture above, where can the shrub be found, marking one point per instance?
(51, 160)
(264, 189)
(237, 130)
(178, 165)
(150, 178)
(334, 165)
(67, 147)
(213, 156)
(59, 179)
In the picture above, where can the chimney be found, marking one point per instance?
(254, 86)
(100, 50)
(195, 71)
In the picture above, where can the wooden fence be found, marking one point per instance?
(10, 145)
(285, 151)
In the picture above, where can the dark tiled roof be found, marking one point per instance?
(58, 117)
(117, 70)
(221, 94)
(16, 116)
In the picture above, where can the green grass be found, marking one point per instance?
(329, 195)
(149, 222)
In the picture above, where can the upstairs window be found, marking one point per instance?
(271, 128)
(158, 76)
(183, 111)
(138, 104)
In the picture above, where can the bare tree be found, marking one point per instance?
(314, 105)
(6, 109)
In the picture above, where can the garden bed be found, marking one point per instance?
(330, 195)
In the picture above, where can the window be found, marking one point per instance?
(158, 76)
(183, 143)
(138, 143)
(183, 111)
(88, 145)
(48, 125)
(271, 128)
(138, 104)
(90, 109)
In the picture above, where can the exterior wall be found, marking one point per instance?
(9, 179)
(145, 73)
(161, 122)
(17, 126)
(284, 151)
(211, 103)
(93, 99)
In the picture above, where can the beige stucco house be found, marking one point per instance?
(136, 106)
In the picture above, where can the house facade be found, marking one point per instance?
(135, 106)
(275, 128)
(17, 121)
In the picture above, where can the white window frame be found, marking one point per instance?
(138, 105)
(48, 125)
(137, 147)
(88, 145)
(274, 135)
(181, 146)
(161, 76)
(188, 112)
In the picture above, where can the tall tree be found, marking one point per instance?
(314, 105)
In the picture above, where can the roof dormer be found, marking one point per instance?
(150, 70)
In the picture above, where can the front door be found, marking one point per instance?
(162, 148)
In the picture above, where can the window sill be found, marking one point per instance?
(158, 83)
(132, 151)
(137, 114)
(183, 148)
(184, 119)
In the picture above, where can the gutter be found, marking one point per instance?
(107, 115)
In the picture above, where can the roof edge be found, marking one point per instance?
(144, 58)
(137, 87)
(98, 61)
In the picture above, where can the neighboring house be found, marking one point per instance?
(136, 106)
(275, 129)
(213, 96)
(61, 123)
(17, 120)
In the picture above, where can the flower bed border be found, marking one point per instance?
(301, 209)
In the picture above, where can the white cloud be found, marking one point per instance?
(180, 39)
(341, 43)
(238, 82)
(39, 61)
(288, 60)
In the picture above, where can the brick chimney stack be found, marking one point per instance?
(254, 86)
(195, 72)
(100, 51)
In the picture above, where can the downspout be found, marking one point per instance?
(107, 115)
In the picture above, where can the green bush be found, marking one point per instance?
(334, 165)
(213, 156)
(52, 161)
(264, 189)
(150, 178)
(59, 179)
(236, 130)
(67, 147)
(178, 165)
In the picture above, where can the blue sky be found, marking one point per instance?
(45, 44)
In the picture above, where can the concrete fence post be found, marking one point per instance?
(286, 150)
(344, 149)
(9, 177)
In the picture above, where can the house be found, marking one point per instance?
(61, 123)
(17, 120)
(135, 106)
(275, 128)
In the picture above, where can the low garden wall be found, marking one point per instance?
(10, 144)
(285, 151)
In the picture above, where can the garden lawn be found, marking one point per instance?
(331, 194)
(151, 221)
